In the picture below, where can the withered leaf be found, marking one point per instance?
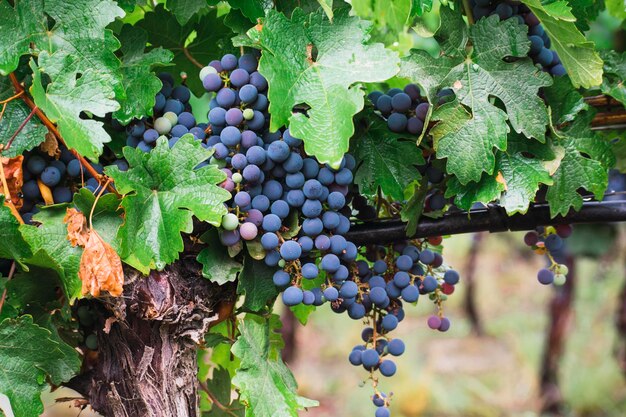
(100, 266)
(50, 145)
(14, 175)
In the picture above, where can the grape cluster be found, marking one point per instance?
(549, 241)
(540, 43)
(405, 110)
(49, 180)
(171, 118)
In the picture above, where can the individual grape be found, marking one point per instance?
(252, 173)
(312, 189)
(336, 200)
(380, 266)
(248, 114)
(248, 231)
(563, 230)
(174, 106)
(234, 117)
(36, 165)
(322, 242)
(445, 324)
(226, 97)
(292, 296)
(280, 208)
(379, 399)
(387, 368)
(434, 322)
(178, 131)
(427, 256)
(273, 190)
(230, 136)
(62, 195)
(558, 70)
(325, 176)
(344, 177)
(230, 221)
(278, 151)
(206, 71)
(230, 237)
(310, 168)
(217, 116)
(531, 238)
(256, 155)
(255, 217)
(281, 278)
(330, 263)
(290, 250)
(545, 276)
(331, 294)
(430, 283)
(229, 62)
(59, 165)
(451, 277)
(51, 176)
(312, 227)
(269, 241)
(239, 77)
(248, 93)
(401, 279)
(293, 164)
(397, 122)
(389, 322)
(271, 223)
(404, 262)
(349, 289)
(410, 294)
(181, 93)
(395, 347)
(370, 358)
(384, 104)
(309, 271)
(91, 341)
(355, 357)
(552, 242)
(248, 62)
(258, 80)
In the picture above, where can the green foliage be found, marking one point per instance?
(471, 127)
(310, 61)
(140, 84)
(162, 191)
(211, 40)
(385, 160)
(255, 281)
(73, 91)
(217, 265)
(614, 75)
(12, 244)
(28, 354)
(51, 249)
(258, 347)
(582, 62)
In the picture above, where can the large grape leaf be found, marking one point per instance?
(578, 55)
(73, 91)
(28, 354)
(258, 347)
(140, 83)
(564, 100)
(394, 14)
(469, 129)
(33, 132)
(51, 249)
(586, 11)
(107, 214)
(614, 75)
(384, 160)
(252, 9)
(162, 191)
(211, 41)
(518, 173)
(585, 165)
(78, 28)
(12, 244)
(312, 62)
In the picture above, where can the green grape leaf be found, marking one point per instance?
(33, 132)
(585, 12)
(72, 92)
(220, 386)
(469, 129)
(415, 195)
(578, 55)
(140, 84)
(261, 366)
(518, 173)
(616, 8)
(211, 41)
(614, 75)
(162, 191)
(21, 25)
(184, 10)
(384, 160)
(29, 353)
(585, 165)
(310, 61)
(252, 9)
(217, 266)
(52, 250)
(565, 102)
(255, 281)
(35, 287)
(419, 7)
(12, 244)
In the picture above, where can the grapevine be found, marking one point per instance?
(175, 174)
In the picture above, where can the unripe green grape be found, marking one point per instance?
(162, 125)
(91, 341)
(559, 279)
(281, 263)
(248, 114)
(172, 117)
(230, 221)
(206, 71)
(237, 178)
(561, 269)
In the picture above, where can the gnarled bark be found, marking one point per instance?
(146, 364)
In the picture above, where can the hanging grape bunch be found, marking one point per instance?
(404, 110)
(540, 42)
(549, 241)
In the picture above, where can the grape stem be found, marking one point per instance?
(468, 12)
(191, 58)
(4, 293)
(214, 400)
(52, 128)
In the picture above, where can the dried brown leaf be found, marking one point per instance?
(50, 146)
(14, 176)
(100, 266)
